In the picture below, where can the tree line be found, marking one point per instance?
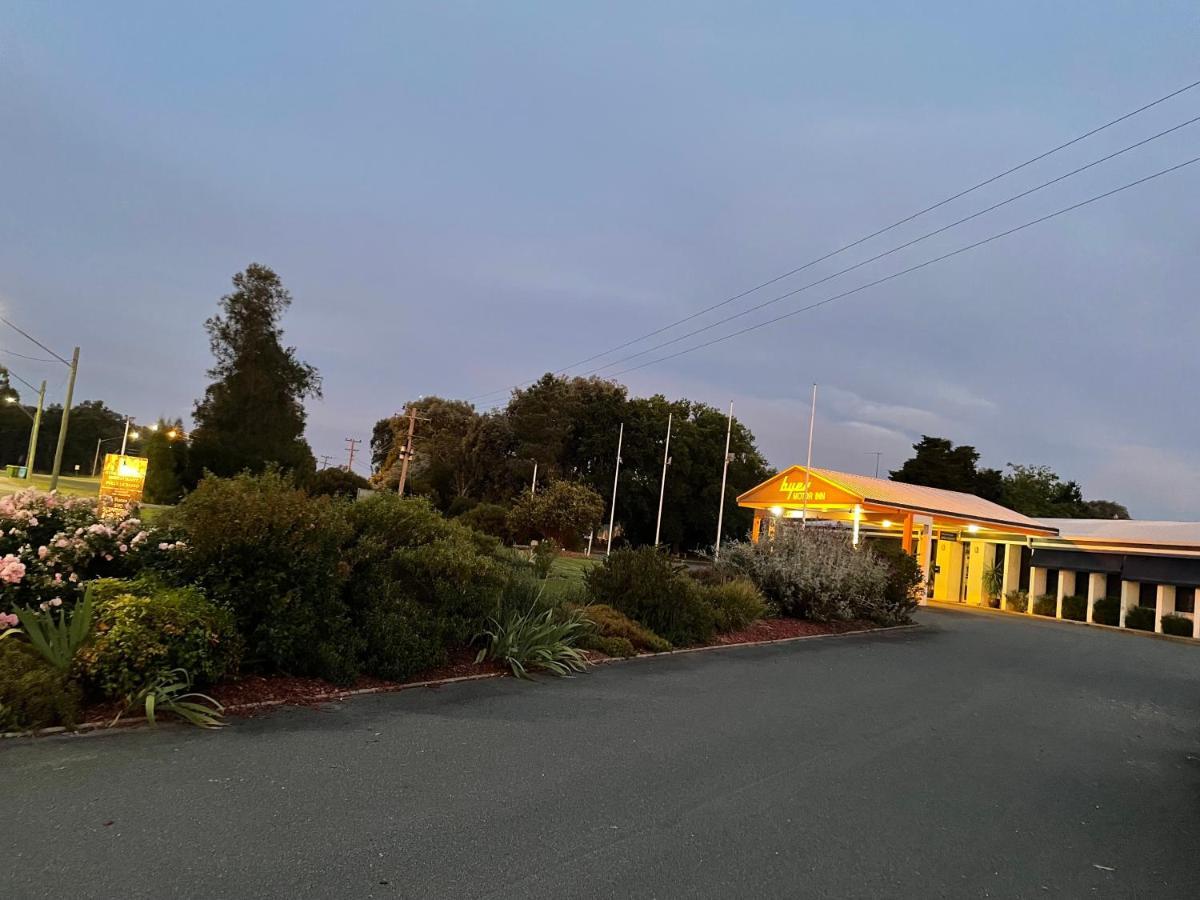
(1036, 491)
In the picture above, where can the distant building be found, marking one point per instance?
(966, 544)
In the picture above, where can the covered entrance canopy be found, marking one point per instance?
(933, 522)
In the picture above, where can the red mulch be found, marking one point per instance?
(245, 696)
(775, 629)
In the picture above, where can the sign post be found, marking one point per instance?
(122, 481)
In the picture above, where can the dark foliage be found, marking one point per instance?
(1140, 618)
(646, 586)
(33, 694)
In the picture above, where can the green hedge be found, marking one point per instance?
(1106, 611)
(1045, 605)
(1016, 601)
(1140, 618)
(1177, 625)
(1075, 608)
(34, 694)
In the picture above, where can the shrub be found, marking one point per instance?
(263, 548)
(1075, 608)
(544, 555)
(143, 628)
(1106, 611)
(609, 646)
(488, 518)
(335, 482)
(646, 586)
(1180, 626)
(1140, 618)
(537, 640)
(400, 637)
(905, 582)
(612, 623)
(1017, 601)
(735, 603)
(564, 510)
(1045, 605)
(812, 573)
(33, 693)
(403, 548)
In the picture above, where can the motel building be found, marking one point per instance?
(966, 545)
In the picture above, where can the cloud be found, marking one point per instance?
(1153, 482)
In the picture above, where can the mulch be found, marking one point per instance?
(251, 695)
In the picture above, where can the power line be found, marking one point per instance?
(861, 240)
(922, 265)
(23, 356)
(904, 246)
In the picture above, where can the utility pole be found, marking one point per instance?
(724, 473)
(412, 426)
(125, 437)
(33, 435)
(812, 418)
(662, 490)
(325, 458)
(533, 487)
(877, 454)
(352, 448)
(612, 511)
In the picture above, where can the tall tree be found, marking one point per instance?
(252, 415)
(936, 462)
(166, 452)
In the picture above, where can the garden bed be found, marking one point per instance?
(252, 695)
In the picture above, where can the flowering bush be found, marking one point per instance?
(814, 574)
(51, 545)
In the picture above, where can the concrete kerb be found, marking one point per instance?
(105, 727)
(987, 610)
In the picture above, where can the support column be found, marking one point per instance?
(906, 540)
(975, 556)
(1129, 597)
(1064, 578)
(1196, 619)
(756, 526)
(1037, 586)
(1097, 583)
(1012, 572)
(924, 551)
(1164, 602)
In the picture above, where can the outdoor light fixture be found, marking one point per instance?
(972, 528)
(777, 511)
(133, 435)
(887, 523)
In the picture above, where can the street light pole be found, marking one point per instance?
(66, 415)
(612, 511)
(125, 436)
(533, 486)
(662, 490)
(33, 435)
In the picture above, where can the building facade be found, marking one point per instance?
(978, 553)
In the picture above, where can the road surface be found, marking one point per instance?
(978, 756)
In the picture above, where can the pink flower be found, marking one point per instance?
(42, 551)
(164, 546)
(72, 577)
(124, 548)
(32, 521)
(108, 557)
(58, 576)
(8, 620)
(57, 601)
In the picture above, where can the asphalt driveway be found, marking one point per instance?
(977, 756)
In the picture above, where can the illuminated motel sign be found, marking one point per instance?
(122, 481)
(793, 492)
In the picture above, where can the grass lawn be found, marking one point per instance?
(67, 485)
(566, 575)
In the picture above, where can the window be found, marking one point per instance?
(1081, 584)
(1112, 585)
(1147, 594)
(1185, 599)
(1052, 582)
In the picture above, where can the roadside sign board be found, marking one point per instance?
(121, 483)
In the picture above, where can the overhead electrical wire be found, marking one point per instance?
(896, 249)
(23, 356)
(863, 239)
(922, 265)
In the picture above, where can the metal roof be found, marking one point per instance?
(921, 499)
(1128, 531)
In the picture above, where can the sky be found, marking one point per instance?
(462, 196)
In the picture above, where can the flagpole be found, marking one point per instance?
(612, 512)
(724, 473)
(812, 418)
(662, 490)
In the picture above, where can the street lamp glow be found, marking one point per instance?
(133, 435)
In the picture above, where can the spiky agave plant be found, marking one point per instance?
(537, 640)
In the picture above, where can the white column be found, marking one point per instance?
(1037, 586)
(1164, 602)
(1196, 617)
(1012, 571)
(1064, 578)
(1129, 597)
(1097, 583)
